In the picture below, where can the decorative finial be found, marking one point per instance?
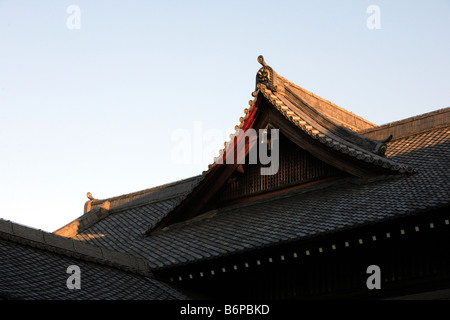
(265, 75)
(261, 61)
(89, 195)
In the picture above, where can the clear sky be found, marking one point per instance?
(96, 98)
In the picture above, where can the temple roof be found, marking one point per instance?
(408, 158)
(315, 124)
(296, 215)
(387, 173)
(322, 120)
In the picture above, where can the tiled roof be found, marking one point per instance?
(417, 124)
(297, 215)
(339, 115)
(294, 215)
(115, 251)
(319, 119)
(133, 212)
(118, 229)
(328, 138)
(34, 264)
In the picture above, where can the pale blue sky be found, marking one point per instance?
(94, 109)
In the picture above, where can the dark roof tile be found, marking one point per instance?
(354, 203)
(34, 266)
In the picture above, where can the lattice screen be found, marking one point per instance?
(295, 166)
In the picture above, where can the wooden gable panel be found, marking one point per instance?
(296, 166)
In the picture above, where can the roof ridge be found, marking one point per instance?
(413, 125)
(270, 89)
(292, 84)
(96, 210)
(313, 120)
(354, 150)
(138, 205)
(149, 190)
(51, 242)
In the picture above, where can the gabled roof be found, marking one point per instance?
(314, 124)
(301, 214)
(422, 142)
(33, 266)
(321, 119)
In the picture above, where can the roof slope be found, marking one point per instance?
(34, 264)
(424, 143)
(314, 124)
(132, 213)
(141, 211)
(301, 214)
(353, 203)
(334, 112)
(120, 228)
(323, 120)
